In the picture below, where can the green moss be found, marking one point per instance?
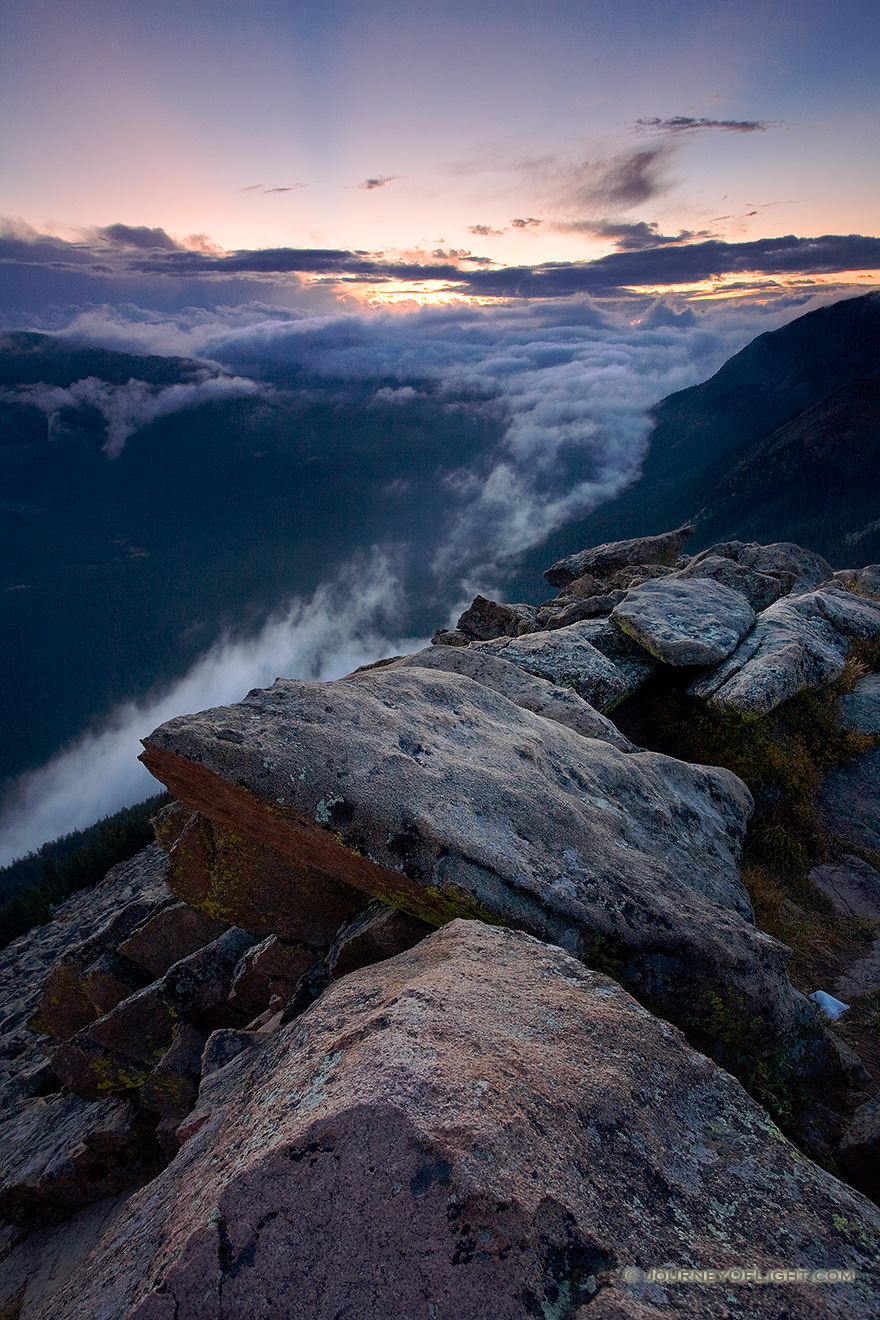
(603, 956)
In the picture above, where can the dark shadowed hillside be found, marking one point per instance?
(781, 444)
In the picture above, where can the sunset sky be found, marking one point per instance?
(394, 137)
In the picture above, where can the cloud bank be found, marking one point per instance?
(127, 407)
(347, 622)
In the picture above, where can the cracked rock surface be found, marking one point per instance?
(480, 1127)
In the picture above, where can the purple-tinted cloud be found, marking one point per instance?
(378, 182)
(486, 231)
(687, 124)
(525, 222)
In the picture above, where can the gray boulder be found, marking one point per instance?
(627, 655)
(602, 560)
(439, 796)
(791, 649)
(860, 709)
(849, 799)
(798, 569)
(480, 1127)
(694, 621)
(863, 581)
(759, 589)
(567, 658)
(538, 695)
(560, 613)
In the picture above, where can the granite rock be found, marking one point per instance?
(759, 589)
(693, 621)
(602, 560)
(484, 619)
(798, 569)
(439, 796)
(791, 649)
(480, 1127)
(538, 695)
(849, 798)
(564, 657)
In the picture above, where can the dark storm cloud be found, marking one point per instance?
(687, 124)
(39, 268)
(525, 222)
(139, 236)
(629, 179)
(685, 264)
(630, 237)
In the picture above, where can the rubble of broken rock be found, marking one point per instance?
(260, 1025)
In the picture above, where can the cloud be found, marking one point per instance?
(347, 622)
(629, 237)
(258, 187)
(486, 231)
(526, 222)
(378, 182)
(139, 236)
(687, 124)
(127, 407)
(629, 179)
(645, 257)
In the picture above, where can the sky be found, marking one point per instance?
(389, 151)
(561, 213)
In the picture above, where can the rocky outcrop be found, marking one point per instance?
(798, 643)
(860, 709)
(479, 1127)
(484, 619)
(604, 559)
(62, 1154)
(524, 689)
(759, 589)
(799, 570)
(118, 1052)
(439, 796)
(694, 621)
(566, 658)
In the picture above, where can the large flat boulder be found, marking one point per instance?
(685, 621)
(567, 658)
(602, 560)
(791, 649)
(539, 695)
(439, 796)
(481, 1128)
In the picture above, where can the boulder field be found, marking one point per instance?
(438, 996)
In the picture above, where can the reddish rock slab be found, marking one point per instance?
(237, 876)
(169, 935)
(480, 1128)
(270, 968)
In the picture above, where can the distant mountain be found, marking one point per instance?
(782, 443)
